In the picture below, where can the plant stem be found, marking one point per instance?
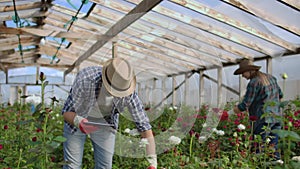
(191, 144)
(20, 157)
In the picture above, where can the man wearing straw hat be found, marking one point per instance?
(261, 100)
(92, 108)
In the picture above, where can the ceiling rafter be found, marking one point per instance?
(205, 10)
(131, 17)
(262, 14)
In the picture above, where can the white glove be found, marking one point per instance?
(152, 159)
(77, 120)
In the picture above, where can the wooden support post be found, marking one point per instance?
(219, 94)
(37, 75)
(186, 90)
(269, 65)
(163, 86)
(114, 49)
(6, 76)
(147, 99)
(241, 90)
(174, 90)
(201, 88)
(154, 94)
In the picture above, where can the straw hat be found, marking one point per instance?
(118, 77)
(246, 65)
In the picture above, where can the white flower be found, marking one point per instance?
(127, 130)
(241, 127)
(220, 132)
(214, 130)
(174, 140)
(296, 158)
(234, 134)
(143, 142)
(268, 140)
(204, 125)
(134, 132)
(279, 162)
(202, 139)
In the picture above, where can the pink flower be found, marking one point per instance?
(179, 119)
(1, 146)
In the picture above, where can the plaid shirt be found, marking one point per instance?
(263, 94)
(83, 96)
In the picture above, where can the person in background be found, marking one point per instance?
(261, 100)
(99, 95)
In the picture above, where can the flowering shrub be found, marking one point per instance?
(185, 138)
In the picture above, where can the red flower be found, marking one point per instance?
(39, 130)
(151, 167)
(253, 118)
(34, 139)
(5, 127)
(1, 146)
(224, 116)
(192, 132)
(53, 159)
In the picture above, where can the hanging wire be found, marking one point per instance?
(17, 21)
(70, 23)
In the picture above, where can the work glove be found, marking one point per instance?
(152, 159)
(79, 122)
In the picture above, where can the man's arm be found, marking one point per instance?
(69, 117)
(150, 148)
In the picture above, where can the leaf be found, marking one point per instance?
(60, 139)
(287, 134)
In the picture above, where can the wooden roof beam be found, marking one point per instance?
(132, 16)
(53, 33)
(21, 5)
(148, 20)
(206, 10)
(9, 64)
(294, 3)
(262, 14)
(23, 14)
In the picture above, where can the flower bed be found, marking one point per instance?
(185, 138)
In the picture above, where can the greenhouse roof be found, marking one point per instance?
(159, 37)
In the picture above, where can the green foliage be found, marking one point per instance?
(34, 140)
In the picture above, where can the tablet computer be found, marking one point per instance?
(98, 124)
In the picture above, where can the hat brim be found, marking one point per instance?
(113, 91)
(244, 69)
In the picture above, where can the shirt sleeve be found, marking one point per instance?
(80, 94)
(249, 96)
(138, 114)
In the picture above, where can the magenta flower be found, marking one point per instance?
(1, 146)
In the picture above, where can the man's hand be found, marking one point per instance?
(236, 109)
(87, 128)
(152, 159)
(79, 122)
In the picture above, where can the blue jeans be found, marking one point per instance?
(264, 135)
(103, 141)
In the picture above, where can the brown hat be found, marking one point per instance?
(118, 77)
(246, 65)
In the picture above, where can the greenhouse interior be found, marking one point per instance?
(184, 55)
